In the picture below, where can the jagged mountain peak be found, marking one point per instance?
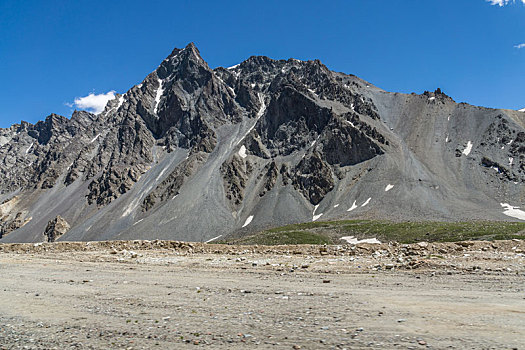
(182, 62)
(266, 65)
(83, 116)
(189, 47)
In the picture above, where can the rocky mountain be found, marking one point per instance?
(193, 153)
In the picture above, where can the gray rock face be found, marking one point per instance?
(10, 218)
(192, 153)
(55, 229)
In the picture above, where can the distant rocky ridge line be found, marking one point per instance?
(193, 153)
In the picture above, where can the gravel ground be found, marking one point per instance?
(171, 295)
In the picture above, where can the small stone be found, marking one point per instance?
(422, 342)
(326, 281)
(401, 320)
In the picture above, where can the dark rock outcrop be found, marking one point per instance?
(55, 229)
(313, 177)
(235, 173)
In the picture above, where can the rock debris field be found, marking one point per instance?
(173, 295)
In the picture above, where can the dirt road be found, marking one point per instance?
(113, 295)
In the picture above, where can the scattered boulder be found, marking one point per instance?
(55, 229)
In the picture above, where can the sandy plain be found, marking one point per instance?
(172, 295)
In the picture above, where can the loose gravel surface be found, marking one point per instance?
(172, 295)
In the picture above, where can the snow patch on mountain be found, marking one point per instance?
(468, 149)
(120, 101)
(512, 211)
(94, 138)
(248, 221)
(353, 206)
(353, 240)
(213, 239)
(242, 151)
(316, 217)
(160, 91)
(258, 116)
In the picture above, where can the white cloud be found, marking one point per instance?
(520, 46)
(504, 2)
(94, 103)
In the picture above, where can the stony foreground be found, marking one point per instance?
(171, 295)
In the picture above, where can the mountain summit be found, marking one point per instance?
(193, 153)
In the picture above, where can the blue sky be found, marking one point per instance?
(53, 52)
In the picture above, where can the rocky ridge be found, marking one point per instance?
(267, 142)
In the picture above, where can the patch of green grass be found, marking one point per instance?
(285, 237)
(313, 225)
(327, 232)
(409, 232)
